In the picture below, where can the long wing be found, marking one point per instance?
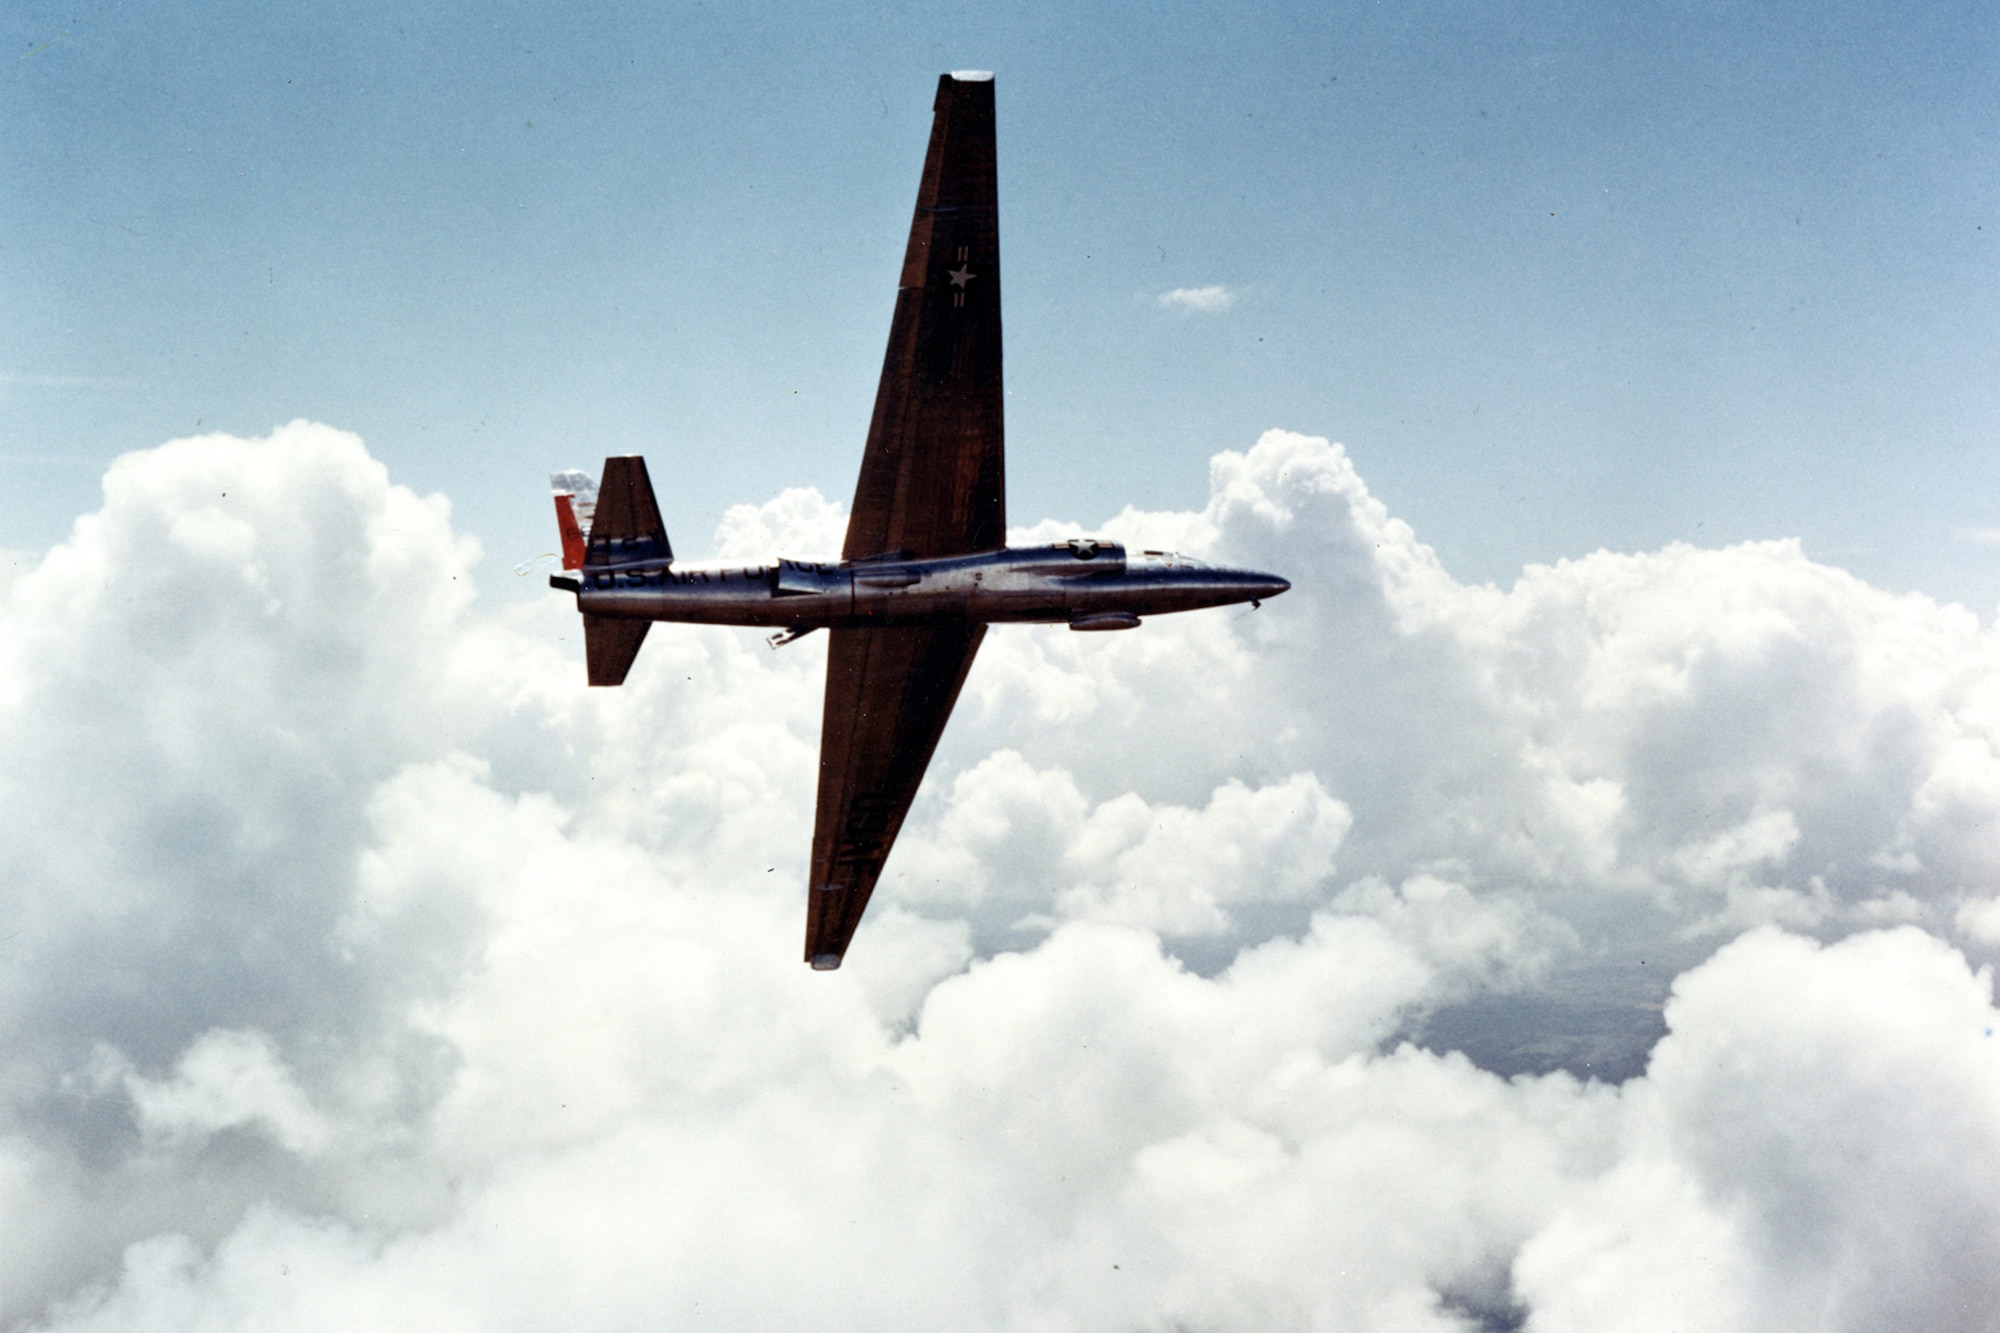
(933, 480)
(888, 693)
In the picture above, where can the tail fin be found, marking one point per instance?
(627, 523)
(576, 502)
(572, 532)
(625, 528)
(609, 645)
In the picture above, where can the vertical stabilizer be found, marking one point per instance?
(576, 503)
(571, 530)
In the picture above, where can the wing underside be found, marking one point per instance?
(888, 694)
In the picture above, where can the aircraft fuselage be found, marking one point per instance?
(1084, 583)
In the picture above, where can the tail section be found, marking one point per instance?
(612, 522)
(627, 524)
(609, 645)
(576, 503)
(572, 532)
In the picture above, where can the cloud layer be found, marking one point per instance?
(1608, 951)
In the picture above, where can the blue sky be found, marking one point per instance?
(1560, 276)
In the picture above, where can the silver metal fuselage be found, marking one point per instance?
(1086, 584)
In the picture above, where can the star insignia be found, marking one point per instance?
(961, 275)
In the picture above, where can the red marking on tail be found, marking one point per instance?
(572, 534)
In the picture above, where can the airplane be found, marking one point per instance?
(925, 566)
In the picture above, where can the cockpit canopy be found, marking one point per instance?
(1169, 560)
(1076, 558)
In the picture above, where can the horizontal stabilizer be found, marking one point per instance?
(609, 645)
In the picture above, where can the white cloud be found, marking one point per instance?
(358, 965)
(1173, 870)
(1198, 300)
(1816, 1144)
(226, 1080)
(1496, 939)
(1979, 919)
(799, 524)
(1020, 842)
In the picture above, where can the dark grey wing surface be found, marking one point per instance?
(933, 480)
(888, 693)
(933, 483)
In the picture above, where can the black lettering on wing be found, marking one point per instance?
(861, 832)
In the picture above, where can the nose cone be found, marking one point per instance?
(1268, 585)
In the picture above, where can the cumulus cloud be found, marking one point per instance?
(358, 966)
(1816, 1144)
(1027, 841)
(1198, 300)
(225, 1080)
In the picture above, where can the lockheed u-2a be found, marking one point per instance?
(925, 566)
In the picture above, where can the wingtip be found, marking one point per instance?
(972, 75)
(825, 962)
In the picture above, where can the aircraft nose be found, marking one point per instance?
(1270, 585)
